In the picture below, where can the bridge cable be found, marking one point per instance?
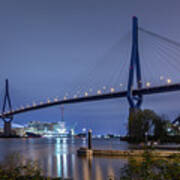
(160, 36)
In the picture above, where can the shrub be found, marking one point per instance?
(150, 168)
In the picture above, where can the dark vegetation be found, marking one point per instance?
(13, 169)
(151, 168)
(146, 124)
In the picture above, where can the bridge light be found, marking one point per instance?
(34, 104)
(99, 92)
(148, 84)
(27, 105)
(168, 81)
(86, 94)
(55, 99)
(121, 84)
(65, 97)
(112, 90)
(48, 101)
(104, 87)
(161, 77)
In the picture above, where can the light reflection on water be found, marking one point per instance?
(57, 157)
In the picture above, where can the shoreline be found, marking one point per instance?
(125, 153)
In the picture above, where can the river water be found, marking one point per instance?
(58, 157)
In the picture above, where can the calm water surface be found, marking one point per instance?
(58, 157)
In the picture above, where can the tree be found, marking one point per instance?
(140, 122)
(160, 128)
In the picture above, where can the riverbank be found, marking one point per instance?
(12, 136)
(128, 153)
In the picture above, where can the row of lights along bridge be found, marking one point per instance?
(112, 90)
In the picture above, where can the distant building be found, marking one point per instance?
(47, 129)
(19, 131)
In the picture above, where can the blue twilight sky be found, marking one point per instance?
(49, 48)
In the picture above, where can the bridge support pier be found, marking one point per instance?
(7, 128)
(7, 119)
(134, 70)
(131, 126)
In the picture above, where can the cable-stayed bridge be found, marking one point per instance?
(134, 81)
(86, 98)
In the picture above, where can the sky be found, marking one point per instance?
(49, 48)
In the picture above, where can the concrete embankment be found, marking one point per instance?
(127, 153)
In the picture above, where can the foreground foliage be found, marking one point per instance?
(13, 169)
(150, 168)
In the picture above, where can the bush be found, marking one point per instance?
(151, 168)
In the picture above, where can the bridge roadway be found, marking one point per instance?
(143, 91)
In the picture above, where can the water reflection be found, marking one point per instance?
(98, 171)
(61, 157)
(58, 158)
(85, 171)
(111, 174)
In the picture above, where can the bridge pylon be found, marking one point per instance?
(134, 75)
(7, 119)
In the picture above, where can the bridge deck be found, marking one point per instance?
(143, 91)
